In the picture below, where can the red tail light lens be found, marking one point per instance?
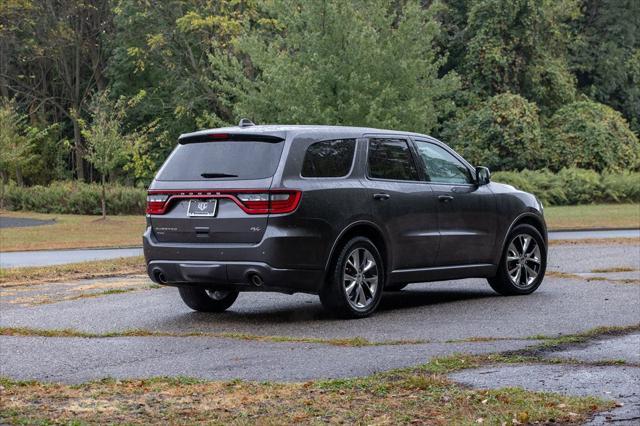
(252, 202)
(255, 203)
(156, 203)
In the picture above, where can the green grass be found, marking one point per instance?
(73, 271)
(72, 231)
(593, 216)
(408, 396)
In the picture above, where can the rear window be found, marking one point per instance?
(231, 160)
(329, 158)
(391, 159)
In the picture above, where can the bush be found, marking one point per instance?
(590, 135)
(575, 186)
(503, 134)
(75, 198)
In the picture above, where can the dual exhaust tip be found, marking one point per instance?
(254, 278)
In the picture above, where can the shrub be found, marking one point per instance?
(590, 135)
(503, 134)
(75, 198)
(575, 186)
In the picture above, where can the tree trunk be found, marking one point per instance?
(19, 179)
(3, 180)
(77, 143)
(104, 199)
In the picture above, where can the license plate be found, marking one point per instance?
(202, 207)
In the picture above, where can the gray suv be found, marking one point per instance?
(342, 212)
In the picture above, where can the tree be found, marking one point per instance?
(502, 134)
(606, 55)
(53, 59)
(362, 62)
(590, 135)
(15, 142)
(520, 46)
(181, 54)
(106, 145)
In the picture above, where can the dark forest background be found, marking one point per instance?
(100, 90)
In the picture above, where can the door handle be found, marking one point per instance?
(445, 198)
(381, 196)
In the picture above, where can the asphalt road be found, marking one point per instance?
(58, 257)
(433, 313)
(17, 259)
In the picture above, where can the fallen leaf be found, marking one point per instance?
(523, 417)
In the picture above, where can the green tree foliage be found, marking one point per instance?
(606, 55)
(477, 72)
(52, 59)
(519, 46)
(590, 135)
(15, 141)
(502, 134)
(107, 145)
(179, 54)
(357, 63)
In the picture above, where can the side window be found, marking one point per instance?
(329, 158)
(391, 159)
(441, 166)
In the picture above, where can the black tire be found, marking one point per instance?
(395, 287)
(502, 283)
(199, 299)
(334, 295)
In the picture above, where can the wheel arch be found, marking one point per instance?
(361, 228)
(527, 218)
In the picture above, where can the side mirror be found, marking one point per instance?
(483, 175)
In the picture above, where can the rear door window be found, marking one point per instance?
(391, 159)
(222, 160)
(329, 158)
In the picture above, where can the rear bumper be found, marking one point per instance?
(211, 266)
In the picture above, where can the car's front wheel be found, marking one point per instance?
(355, 282)
(205, 300)
(523, 263)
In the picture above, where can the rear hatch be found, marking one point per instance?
(215, 188)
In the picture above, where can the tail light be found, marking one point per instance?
(156, 203)
(251, 201)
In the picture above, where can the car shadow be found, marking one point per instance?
(300, 311)
(413, 298)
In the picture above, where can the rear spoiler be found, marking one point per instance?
(222, 136)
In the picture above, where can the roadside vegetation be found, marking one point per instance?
(101, 104)
(591, 216)
(72, 231)
(10, 277)
(410, 396)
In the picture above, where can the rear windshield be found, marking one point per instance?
(228, 160)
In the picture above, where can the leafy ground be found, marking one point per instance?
(75, 231)
(421, 395)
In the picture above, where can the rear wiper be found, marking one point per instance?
(216, 175)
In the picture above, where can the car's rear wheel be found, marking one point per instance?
(355, 281)
(206, 300)
(523, 263)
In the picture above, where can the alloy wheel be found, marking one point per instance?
(360, 278)
(524, 261)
